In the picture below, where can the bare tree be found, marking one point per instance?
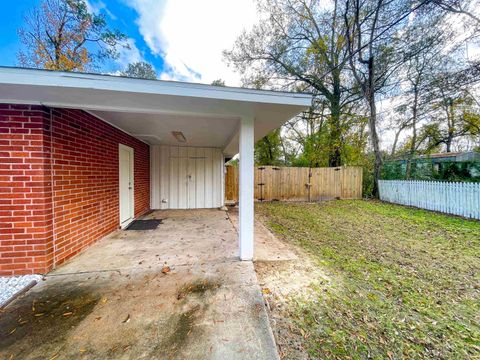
(300, 45)
(375, 53)
(463, 7)
(425, 38)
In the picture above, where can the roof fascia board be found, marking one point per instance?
(17, 76)
(139, 110)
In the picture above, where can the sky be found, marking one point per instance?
(182, 39)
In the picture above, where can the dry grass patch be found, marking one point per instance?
(403, 282)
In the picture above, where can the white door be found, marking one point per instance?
(125, 156)
(196, 183)
(191, 187)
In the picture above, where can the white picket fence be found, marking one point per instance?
(458, 198)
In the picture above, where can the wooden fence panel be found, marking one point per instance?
(325, 184)
(231, 183)
(259, 188)
(299, 184)
(352, 181)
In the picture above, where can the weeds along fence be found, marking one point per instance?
(458, 198)
(274, 183)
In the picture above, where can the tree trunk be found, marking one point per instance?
(451, 125)
(372, 123)
(408, 172)
(395, 141)
(335, 156)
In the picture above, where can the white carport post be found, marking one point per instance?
(246, 212)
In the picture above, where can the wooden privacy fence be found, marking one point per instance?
(299, 183)
(458, 198)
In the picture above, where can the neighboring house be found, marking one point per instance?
(82, 155)
(445, 157)
(456, 165)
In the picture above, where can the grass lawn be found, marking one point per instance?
(404, 283)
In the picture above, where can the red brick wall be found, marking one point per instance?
(26, 244)
(72, 167)
(85, 168)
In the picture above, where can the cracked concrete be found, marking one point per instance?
(113, 301)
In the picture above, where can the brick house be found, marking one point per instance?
(82, 155)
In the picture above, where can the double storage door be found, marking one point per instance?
(195, 178)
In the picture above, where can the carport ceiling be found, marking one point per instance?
(157, 128)
(151, 109)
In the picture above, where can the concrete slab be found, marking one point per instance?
(267, 246)
(113, 301)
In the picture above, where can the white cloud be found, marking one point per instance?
(127, 56)
(97, 7)
(190, 35)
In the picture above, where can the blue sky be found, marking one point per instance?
(183, 39)
(118, 15)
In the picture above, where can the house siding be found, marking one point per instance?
(185, 177)
(59, 184)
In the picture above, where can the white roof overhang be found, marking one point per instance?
(151, 109)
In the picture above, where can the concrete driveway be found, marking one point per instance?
(113, 301)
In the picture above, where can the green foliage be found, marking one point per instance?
(314, 153)
(218, 82)
(140, 70)
(268, 150)
(425, 169)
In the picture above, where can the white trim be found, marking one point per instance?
(36, 77)
(132, 193)
(121, 109)
(246, 179)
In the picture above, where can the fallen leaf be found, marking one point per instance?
(266, 291)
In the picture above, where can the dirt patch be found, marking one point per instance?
(180, 328)
(48, 318)
(198, 287)
(282, 282)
